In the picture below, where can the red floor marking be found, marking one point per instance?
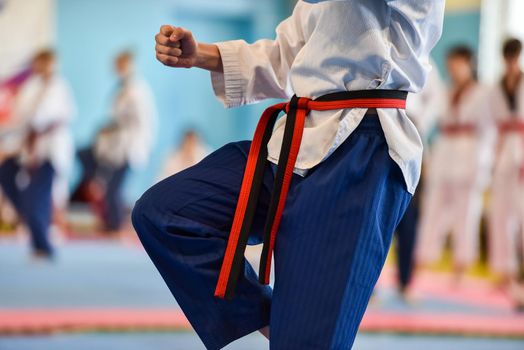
(51, 320)
(75, 320)
(473, 292)
(442, 323)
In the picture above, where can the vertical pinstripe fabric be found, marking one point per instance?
(332, 243)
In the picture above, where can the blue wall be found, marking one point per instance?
(91, 32)
(460, 27)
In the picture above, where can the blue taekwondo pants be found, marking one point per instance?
(406, 242)
(33, 203)
(113, 177)
(331, 246)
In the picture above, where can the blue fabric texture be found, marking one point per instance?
(33, 203)
(331, 246)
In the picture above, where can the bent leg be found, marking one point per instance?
(183, 223)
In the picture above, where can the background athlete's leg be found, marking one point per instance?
(183, 223)
(33, 202)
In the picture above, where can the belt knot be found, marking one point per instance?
(297, 103)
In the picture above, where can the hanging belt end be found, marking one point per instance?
(219, 294)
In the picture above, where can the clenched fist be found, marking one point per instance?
(176, 47)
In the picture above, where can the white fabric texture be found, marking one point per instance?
(337, 46)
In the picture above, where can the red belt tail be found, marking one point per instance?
(247, 201)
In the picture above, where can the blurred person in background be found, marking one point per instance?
(424, 109)
(190, 151)
(124, 143)
(9, 89)
(506, 235)
(34, 175)
(458, 169)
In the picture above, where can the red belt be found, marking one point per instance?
(297, 110)
(515, 126)
(457, 129)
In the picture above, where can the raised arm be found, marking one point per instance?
(242, 73)
(176, 47)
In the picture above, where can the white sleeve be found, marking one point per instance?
(254, 72)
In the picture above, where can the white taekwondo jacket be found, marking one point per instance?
(336, 46)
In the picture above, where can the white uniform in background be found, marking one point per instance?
(41, 105)
(180, 160)
(458, 171)
(507, 205)
(425, 107)
(134, 118)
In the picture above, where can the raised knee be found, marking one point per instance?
(156, 202)
(137, 215)
(143, 210)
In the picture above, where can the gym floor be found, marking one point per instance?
(107, 295)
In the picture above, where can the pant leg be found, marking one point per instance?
(89, 166)
(466, 227)
(33, 203)
(183, 223)
(114, 201)
(332, 243)
(406, 238)
(38, 204)
(520, 207)
(88, 162)
(434, 223)
(8, 171)
(503, 223)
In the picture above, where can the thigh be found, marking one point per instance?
(334, 237)
(204, 196)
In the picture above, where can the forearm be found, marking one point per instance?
(208, 58)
